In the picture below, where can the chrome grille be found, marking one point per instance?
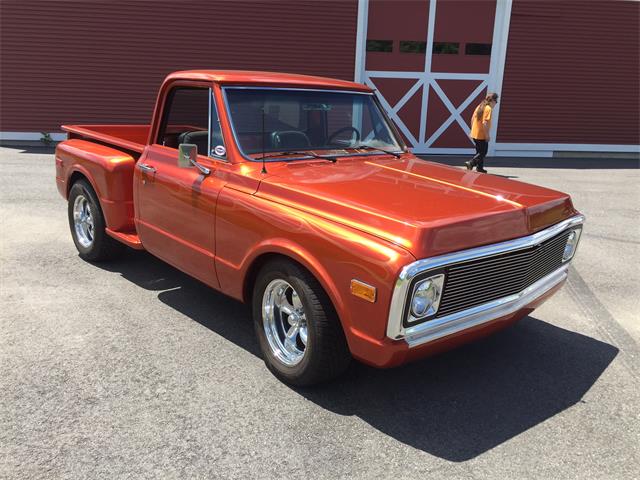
(485, 279)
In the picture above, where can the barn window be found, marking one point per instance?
(477, 49)
(409, 46)
(379, 45)
(446, 48)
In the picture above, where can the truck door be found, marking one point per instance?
(175, 206)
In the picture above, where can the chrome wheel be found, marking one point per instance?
(285, 322)
(83, 221)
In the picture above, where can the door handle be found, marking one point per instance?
(147, 168)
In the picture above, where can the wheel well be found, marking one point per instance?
(254, 269)
(256, 266)
(260, 261)
(75, 176)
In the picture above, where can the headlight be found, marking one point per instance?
(426, 297)
(571, 245)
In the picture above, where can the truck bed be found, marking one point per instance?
(129, 137)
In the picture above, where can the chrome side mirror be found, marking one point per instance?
(187, 152)
(187, 155)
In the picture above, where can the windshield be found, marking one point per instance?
(297, 121)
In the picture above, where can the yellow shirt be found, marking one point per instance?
(477, 130)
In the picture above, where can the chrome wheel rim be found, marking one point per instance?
(83, 221)
(285, 322)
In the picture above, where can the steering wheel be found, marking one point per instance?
(341, 130)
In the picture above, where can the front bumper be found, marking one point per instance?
(430, 330)
(392, 353)
(503, 307)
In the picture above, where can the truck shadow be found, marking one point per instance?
(455, 406)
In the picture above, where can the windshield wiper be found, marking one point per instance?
(369, 147)
(306, 154)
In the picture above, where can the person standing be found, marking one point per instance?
(480, 128)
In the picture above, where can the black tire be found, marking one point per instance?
(102, 246)
(326, 355)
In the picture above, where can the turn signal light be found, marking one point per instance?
(363, 290)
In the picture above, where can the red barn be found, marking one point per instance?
(567, 71)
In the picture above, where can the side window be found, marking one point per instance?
(186, 118)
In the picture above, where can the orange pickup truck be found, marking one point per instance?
(296, 194)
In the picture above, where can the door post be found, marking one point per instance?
(498, 58)
(361, 40)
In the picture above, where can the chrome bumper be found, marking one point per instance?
(456, 322)
(431, 330)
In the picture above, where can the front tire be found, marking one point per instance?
(300, 335)
(87, 225)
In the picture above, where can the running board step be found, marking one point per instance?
(130, 239)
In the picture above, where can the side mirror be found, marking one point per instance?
(187, 153)
(187, 157)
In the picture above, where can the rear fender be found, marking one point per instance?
(110, 173)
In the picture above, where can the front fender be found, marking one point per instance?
(249, 227)
(290, 249)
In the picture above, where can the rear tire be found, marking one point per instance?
(87, 225)
(299, 332)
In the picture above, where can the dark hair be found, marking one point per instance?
(491, 97)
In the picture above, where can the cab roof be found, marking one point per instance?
(257, 78)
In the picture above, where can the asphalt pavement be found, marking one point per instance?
(134, 370)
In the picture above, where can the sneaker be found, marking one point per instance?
(481, 170)
(469, 165)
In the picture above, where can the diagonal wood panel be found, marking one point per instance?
(437, 103)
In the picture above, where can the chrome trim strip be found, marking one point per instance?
(456, 322)
(233, 127)
(395, 329)
(249, 87)
(209, 133)
(213, 107)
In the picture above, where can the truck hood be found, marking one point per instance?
(425, 207)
